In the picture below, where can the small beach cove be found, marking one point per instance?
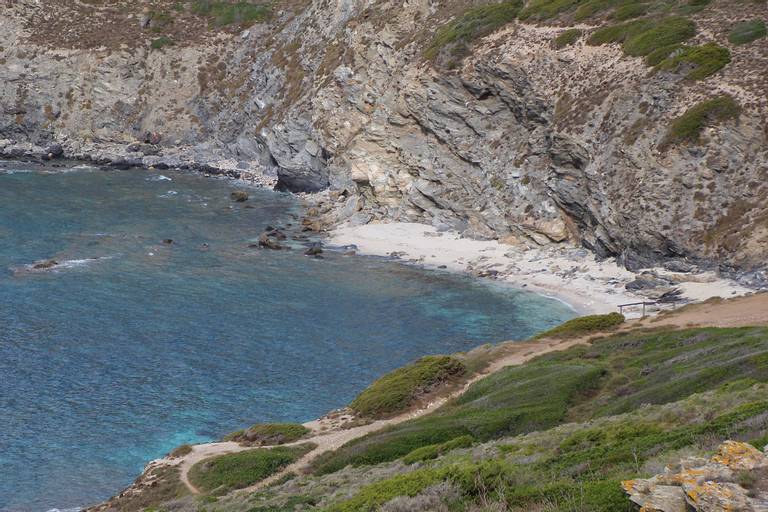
(160, 325)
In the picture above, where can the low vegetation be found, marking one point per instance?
(269, 434)
(181, 451)
(584, 325)
(705, 60)
(433, 451)
(455, 37)
(579, 466)
(641, 37)
(688, 127)
(224, 473)
(567, 38)
(398, 390)
(747, 31)
(161, 42)
(611, 376)
(615, 432)
(223, 13)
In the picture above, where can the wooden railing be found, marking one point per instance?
(622, 306)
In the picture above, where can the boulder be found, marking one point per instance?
(680, 266)
(705, 485)
(645, 281)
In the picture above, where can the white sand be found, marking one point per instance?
(569, 274)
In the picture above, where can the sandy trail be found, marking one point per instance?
(743, 311)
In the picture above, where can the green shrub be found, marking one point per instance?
(707, 60)
(397, 390)
(223, 13)
(161, 42)
(747, 31)
(629, 11)
(688, 127)
(590, 8)
(433, 451)
(238, 470)
(473, 24)
(181, 451)
(545, 9)
(372, 496)
(269, 434)
(642, 37)
(584, 325)
(618, 33)
(567, 38)
(658, 55)
(667, 31)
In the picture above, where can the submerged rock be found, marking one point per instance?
(240, 196)
(44, 265)
(314, 250)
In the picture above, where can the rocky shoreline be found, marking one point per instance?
(341, 220)
(141, 154)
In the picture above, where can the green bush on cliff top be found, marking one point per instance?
(747, 31)
(472, 24)
(397, 390)
(567, 38)
(642, 37)
(584, 325)
(688, 127)
(706, 59)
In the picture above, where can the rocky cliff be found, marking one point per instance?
(638, 131)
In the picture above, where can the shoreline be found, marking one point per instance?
(568, 274)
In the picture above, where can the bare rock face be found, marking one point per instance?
(734, 479)
(520, 141)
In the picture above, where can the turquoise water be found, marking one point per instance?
(132, 347)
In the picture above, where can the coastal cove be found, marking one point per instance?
(161, 325)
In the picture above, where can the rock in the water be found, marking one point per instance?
(168, 241)
(240, 196)
(268, 242)
(45, 264)
(314, 250)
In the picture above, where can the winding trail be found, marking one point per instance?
(744, 311)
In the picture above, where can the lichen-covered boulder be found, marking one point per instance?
(706, 485)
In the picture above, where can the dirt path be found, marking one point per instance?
(743, 311)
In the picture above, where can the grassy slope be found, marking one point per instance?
(614, 375)
(623, 373)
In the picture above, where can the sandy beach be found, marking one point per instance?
(569, 274)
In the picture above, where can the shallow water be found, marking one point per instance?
(131, 347)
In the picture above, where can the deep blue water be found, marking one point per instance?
(108, 363)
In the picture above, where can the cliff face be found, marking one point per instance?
(519, 140)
